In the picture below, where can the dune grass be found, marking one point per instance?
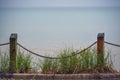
(85, 62)
(4, 61)
(23, 62)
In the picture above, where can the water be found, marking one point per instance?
(47, 30)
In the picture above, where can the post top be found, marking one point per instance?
(100, 35)
(13, 35)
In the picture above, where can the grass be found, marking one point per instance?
(85, 62)
(23, 62)
(4, 62)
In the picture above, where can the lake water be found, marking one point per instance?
(47, 30)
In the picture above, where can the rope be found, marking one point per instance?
(112, 44)
(82, 50)
(35, 53)
(4, 44)
(87, 47)
(59, 57)
(55, 57)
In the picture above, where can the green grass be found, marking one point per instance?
(23, 62)
(85, 62)
(4, 61)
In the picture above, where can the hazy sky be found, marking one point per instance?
(59, 3)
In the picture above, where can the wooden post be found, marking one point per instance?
(100, 49)
(13, 53)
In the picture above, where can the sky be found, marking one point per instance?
(59, 3)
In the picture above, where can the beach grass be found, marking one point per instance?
(85, 62)
(23, 61)
(70, 62)
(4, 61)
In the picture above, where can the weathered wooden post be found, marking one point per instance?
(100, 49)
(13, 53)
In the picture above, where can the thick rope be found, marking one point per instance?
(59, 57)
(4, 44)
(112, 44)
(35, 53)
(55, 57)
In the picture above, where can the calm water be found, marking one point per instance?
(47, 30)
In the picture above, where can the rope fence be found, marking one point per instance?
(66, 56)
(112, 44)
(35, 53)
(4, 44)
(56, 57)
(13, 50)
